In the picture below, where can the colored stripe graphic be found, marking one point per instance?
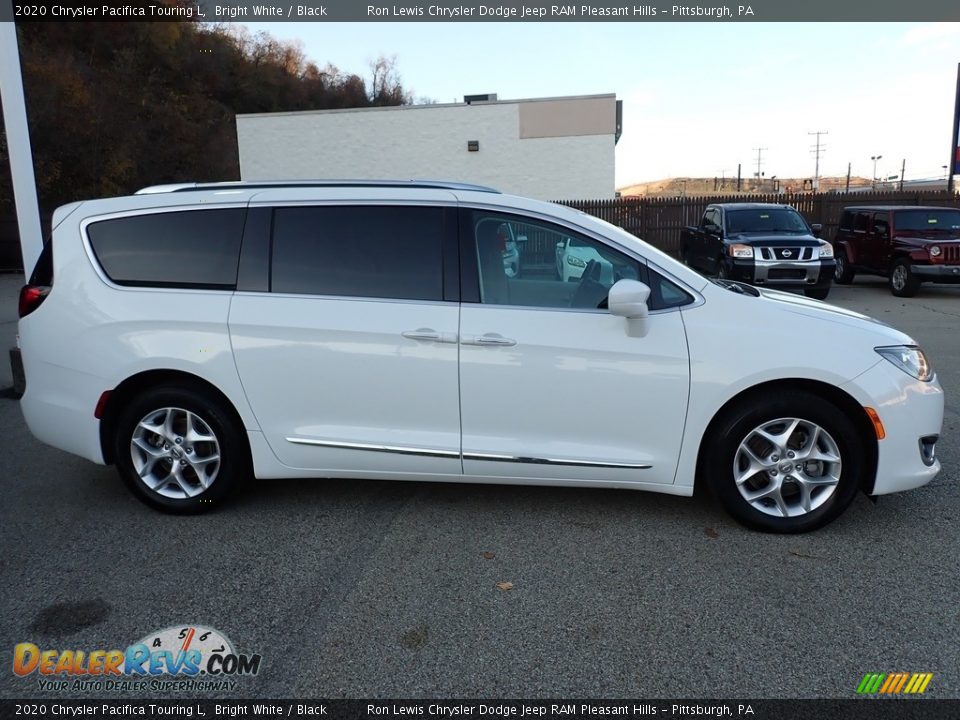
(894, 683)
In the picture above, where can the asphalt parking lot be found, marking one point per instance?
(375, 589)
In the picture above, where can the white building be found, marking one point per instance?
(548, 148)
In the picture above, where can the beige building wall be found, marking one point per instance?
(552, 149)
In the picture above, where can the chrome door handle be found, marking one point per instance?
(493, 339)
(430, 335)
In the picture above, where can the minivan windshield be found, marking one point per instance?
(766, 220)
(927, 220)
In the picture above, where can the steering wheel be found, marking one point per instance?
(590, 292)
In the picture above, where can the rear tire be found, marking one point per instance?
(903, 283)
(789, 462)
(179, 450)
(843, 272)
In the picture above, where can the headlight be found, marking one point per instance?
(575, 261)
(909, 359)
(739, 250)
(826, 250)
(934, 251)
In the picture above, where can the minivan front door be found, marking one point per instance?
(552, 386)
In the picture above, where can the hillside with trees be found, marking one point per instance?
(115, 106)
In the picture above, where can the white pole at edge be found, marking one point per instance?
(18, 144)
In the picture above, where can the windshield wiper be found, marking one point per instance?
(737, 287)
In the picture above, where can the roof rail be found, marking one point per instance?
(274, 184)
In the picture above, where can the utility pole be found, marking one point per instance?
(848, 176)
(954, 166)
(817, 149)
(738, 177)
(903, 167)
(759, 161)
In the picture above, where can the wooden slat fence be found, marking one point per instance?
(660, 220)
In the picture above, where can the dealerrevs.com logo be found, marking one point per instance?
(182, 657)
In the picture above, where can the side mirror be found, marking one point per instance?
(628, 298)
(817, 229)
(561, 245)
(712, 229)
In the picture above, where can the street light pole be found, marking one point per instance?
(875, 158)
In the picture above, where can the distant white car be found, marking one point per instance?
(574, 255)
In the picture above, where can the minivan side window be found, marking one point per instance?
(359, 251)
(182, 249)
(559, 268)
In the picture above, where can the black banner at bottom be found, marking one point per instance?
(865, 709)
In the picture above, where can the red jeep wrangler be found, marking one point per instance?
(907, 245)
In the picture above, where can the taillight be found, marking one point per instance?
(30, 298)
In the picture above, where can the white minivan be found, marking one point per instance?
(194, 335)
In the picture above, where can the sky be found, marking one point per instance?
(698, 98)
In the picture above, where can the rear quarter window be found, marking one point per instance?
(187, 249)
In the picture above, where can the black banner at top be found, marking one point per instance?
(618, 11)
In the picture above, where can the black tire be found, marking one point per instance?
(722, 273)
(209, 418)
(737, 426)
(816, 293)
(903, 283)
(843, 272)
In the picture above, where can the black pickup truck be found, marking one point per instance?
(762, 244)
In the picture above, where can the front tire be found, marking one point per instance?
(903, 283)
(817, 293)
(789, 463)
(179, 450)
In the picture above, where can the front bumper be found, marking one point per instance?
(781, 273)
(937, 273)
(911, 412)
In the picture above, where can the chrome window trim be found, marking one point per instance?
(350, 298)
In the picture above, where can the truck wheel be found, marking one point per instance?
(843, 273)
(817, 293)
(903, 283)
(787, 463)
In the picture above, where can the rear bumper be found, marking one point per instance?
(16, 370)
(937, 273)
(58, 407)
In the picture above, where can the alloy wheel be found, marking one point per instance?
(787, 467)
(175, 453)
